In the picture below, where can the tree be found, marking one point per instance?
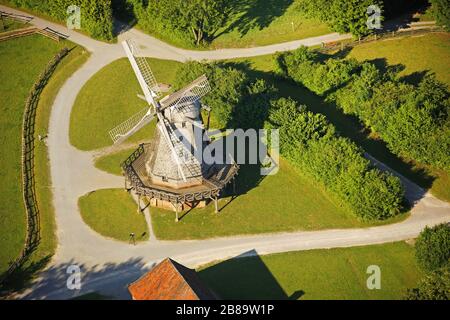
(193, 19)
(434, 286)
(204, 17)
(342, 15)
(441, 12)
(433, 247)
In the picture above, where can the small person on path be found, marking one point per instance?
(132, 238)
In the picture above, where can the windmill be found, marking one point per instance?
(166, 170)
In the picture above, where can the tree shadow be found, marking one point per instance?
(22, 276)
(396, 16)
(245, 277)
(348, 126)
(108, 280)
(253, 14)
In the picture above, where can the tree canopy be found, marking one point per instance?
(194, 19)
(413, 119)
(342, 15)
(441, 11)
(96, 16)
(433, 247)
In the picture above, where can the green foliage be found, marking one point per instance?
(197, 20)
(433, 247)
(441, 12)
(412, 119)
(434, 286)
(96, 16)
(300, 65)
(310, 142)
(236, 100)
(342, 15)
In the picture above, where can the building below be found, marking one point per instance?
(170, 280)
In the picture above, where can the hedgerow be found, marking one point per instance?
(413, 119)
(311, 144)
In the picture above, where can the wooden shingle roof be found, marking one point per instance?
(170, 280)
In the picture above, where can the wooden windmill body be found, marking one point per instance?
(167, 170)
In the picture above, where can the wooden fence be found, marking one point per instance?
(28, 182)
(342, 45)
(47, 32)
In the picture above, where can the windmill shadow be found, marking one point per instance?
(245, 277)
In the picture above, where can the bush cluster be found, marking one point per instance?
(311, 143)
(413, 119)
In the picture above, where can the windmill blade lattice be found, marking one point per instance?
(144, 69)
(132, 125)
(188, 95)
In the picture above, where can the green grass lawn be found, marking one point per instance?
(316, 274)
(108, 99)
(22, 60)
(112, 163)
(429, 52)
(255, 23)
(10, 25)
(113, 213)
(265, 22)
(417, 54)
(286, 201)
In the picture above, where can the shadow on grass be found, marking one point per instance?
(245, 277)
(253, 14)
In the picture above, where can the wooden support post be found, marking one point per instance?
(3, 22)
(139, 204)
(209, 118)
(234, 187)
(216, 205)
(176, 213)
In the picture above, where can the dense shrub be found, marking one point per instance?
(412, 119)
(441, 12)
(236, 100)
(301, 66)
(96, 16)
(433, 247)
(310, 143)
(341, 15)
(434, 286)
(351, 15)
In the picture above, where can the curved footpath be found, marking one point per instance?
(108, 266)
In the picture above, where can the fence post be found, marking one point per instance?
(27, 157)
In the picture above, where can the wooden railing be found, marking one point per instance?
(47, 32)
(17, 17)
(415, 31)
(28, 182)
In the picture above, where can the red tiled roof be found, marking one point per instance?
(170, 280)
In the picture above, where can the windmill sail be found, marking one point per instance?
(143, 72)
(188, 95)
(129, 127)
